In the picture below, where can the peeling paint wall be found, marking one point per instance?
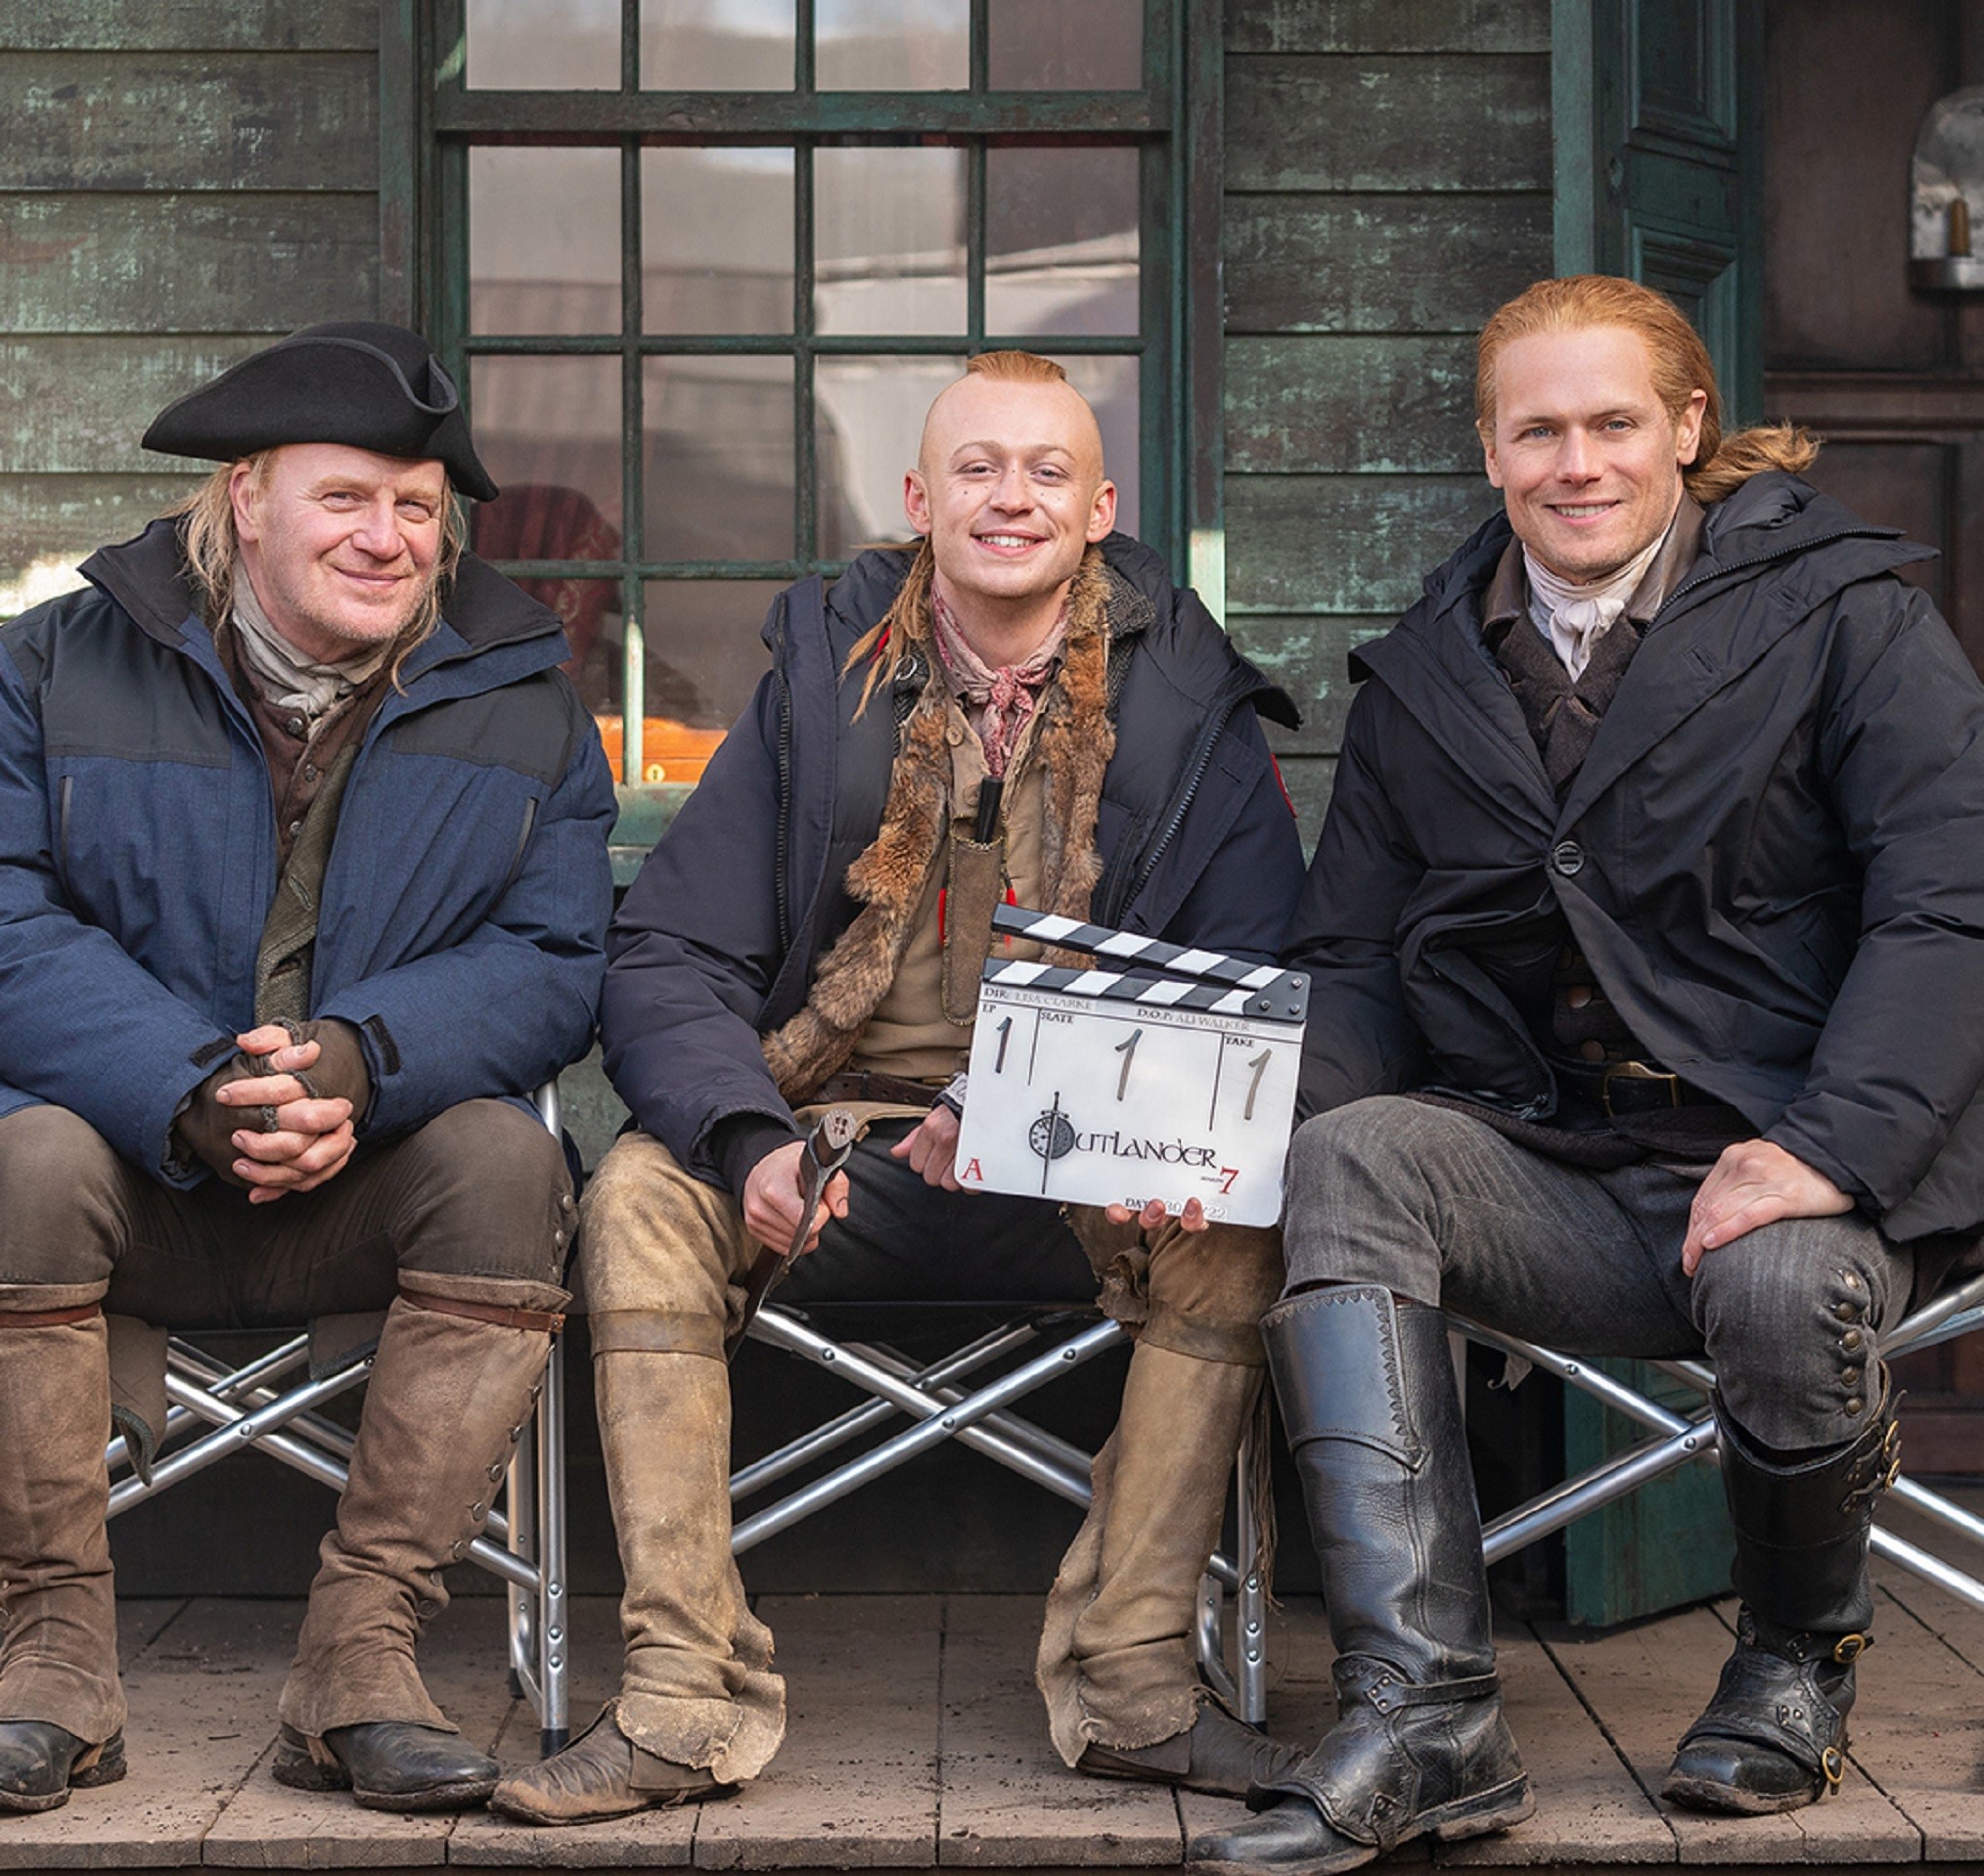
(179, 182)
(1387, 186)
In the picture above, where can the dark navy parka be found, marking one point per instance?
(719, 937)
(464, 905)
(1772, 857)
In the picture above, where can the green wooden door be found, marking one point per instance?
(1659, 151)
(1658, 106)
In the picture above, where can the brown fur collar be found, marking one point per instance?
(1075, 740)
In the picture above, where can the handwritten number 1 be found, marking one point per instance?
(1004, 1036)
(1127, 1049)
(1259, 1064)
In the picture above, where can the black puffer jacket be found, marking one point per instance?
(721, 934)
(1772, 858)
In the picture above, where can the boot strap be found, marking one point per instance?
(48, 1319)
(1771, 1701)
(1387, 1694)
(1384, 1689)
(543, 1321)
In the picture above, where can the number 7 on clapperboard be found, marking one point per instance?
(1118, 1086)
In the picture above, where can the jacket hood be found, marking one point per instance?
(145, 576)
(1772, 519)
(1201, 659)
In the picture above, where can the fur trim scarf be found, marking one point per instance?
(1074, 742)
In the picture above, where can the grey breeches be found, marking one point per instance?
(1438, 1207)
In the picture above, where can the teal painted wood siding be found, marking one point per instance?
(179, 182)
(1389, 183)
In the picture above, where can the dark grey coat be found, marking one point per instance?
(1772, 857)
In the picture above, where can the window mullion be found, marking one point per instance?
(633, 492)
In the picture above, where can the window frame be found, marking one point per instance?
(428, 120)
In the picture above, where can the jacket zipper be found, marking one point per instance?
(522, 841)
(1198, 768)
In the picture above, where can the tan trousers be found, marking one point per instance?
(664, 1257)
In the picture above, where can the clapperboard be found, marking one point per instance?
(1113, 1085)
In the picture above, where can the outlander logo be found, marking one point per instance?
(1053, 1137)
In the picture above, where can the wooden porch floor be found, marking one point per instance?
(917, 1741)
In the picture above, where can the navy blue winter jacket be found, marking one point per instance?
(464, 905)
(718, 939)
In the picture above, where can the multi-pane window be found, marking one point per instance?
(703, 263)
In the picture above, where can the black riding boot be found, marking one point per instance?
(1419, 1746)
(1773, 1738)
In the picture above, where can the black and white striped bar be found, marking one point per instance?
(1165, 992)
(1126, 947)
(1280, 995)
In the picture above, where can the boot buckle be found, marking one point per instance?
(1849, 1648)
(1833, 1764)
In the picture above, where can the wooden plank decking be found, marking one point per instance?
(916, 1741)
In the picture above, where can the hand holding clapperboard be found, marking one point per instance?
(1115, 1087)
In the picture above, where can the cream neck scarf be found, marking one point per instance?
(283, 675)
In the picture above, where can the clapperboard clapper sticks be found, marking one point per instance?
(1172, 1080)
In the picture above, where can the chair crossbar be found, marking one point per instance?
(234, 1429)
(1958, 1312)
(236, 1385)
(836, 1432)
(1592, 1490)
(936, 1420)
(1067, 1459)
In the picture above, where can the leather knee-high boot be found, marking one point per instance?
(451, 1392)
(1419, 1746)
(1773, 1738)
(62, 1709)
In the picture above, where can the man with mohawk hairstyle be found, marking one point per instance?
(1022, 707)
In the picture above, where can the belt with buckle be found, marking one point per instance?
(1635, 1088)
(857, 1083)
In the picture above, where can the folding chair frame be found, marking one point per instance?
(1680, 1439)
(250, 1405)
(940, 1406)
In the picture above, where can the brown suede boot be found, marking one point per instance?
(1117, 1664)
(450, 1395)
(700, 1706)
(62, 1706)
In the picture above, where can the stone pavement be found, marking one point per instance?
(917, 1741)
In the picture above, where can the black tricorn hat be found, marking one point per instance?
(356, 382)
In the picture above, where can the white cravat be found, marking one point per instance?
(1574, 618)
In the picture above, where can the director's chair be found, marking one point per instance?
(968, 1396)
(1677, 1438)
(271, 1403)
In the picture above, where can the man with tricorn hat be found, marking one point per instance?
(302, 880)
(1020, 707)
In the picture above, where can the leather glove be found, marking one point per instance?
(204, 1127)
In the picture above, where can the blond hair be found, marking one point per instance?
(886, 644)
(1677, 358)
(209, 550)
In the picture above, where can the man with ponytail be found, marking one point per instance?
(1020, 707)
(1645, 930)
(303, 886)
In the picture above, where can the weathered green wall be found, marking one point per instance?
(1388, 185)
(179, 181)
